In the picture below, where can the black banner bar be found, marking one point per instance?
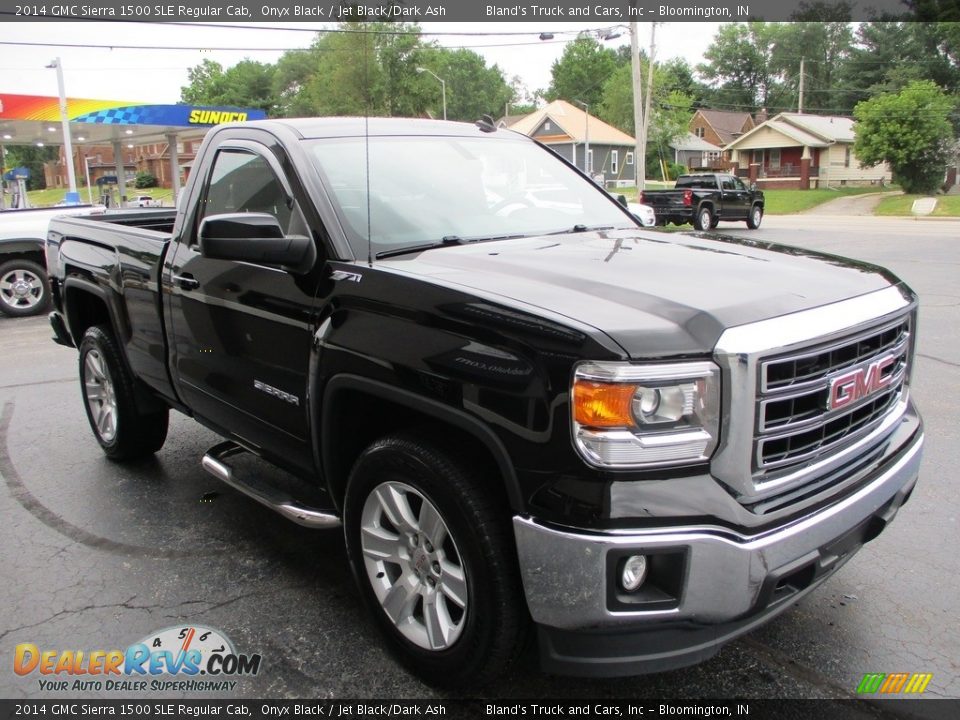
(528, 709)
(549, 12)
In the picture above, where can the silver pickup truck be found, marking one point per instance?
(23, 270)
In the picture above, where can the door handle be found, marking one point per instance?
(186, 281)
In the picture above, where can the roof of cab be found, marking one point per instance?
(328, 127)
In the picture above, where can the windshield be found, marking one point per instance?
(428, 190)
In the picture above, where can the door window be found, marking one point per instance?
(727, 184)
(243, 181)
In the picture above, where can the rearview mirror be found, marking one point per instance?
(622, 199)
(254, 238)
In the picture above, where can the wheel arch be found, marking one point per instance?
(344, 430)
(23, 249)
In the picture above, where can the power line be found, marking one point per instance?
(116, 46)
(336, 30)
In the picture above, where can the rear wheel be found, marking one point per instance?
(23, 288)
(714, 222)
(122, 429)
(756, 216)
(703, 219)
(432, 552)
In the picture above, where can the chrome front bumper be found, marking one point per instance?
(727, 576)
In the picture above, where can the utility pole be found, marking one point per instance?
(800, 104)
(639, 154)
(648, 101)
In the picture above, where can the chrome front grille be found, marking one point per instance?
(796, 419)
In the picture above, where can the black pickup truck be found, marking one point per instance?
(523, 409)
(705, 200)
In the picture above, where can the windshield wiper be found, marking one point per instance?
(579, 228)
(447, 241)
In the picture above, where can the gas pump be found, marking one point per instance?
(109, 195)
(18, 177)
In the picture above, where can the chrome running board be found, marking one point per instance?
(215, 462)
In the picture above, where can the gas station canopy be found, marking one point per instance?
(35, 119)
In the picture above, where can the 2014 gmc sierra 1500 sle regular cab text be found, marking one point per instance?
(525, 410)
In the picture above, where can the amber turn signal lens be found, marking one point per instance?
(603, 405)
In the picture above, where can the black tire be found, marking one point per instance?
(131, 433)
(755, 218)
(24, 288)
(703, 218)
(714, 223)
(494, 620)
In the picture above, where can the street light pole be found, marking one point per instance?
(443, 88)
(73, 196)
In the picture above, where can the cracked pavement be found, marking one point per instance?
(98, 555)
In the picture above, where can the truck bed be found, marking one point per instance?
(119, 256)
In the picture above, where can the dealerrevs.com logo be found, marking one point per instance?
(192, 658)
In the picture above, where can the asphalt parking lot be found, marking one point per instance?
(98, 555)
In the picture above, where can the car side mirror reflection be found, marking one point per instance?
(255, 238)
(622, 199)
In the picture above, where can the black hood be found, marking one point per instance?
(654, 294)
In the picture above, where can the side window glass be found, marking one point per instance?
(739, 184)
(728, 184)
(244, 182)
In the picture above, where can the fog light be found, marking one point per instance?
(634, 572)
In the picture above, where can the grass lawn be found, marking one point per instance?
(790, 202)
(947, 206)
(51, 196)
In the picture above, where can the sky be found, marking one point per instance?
(155, 75)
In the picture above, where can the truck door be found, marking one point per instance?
(736, 202)
(240, 332)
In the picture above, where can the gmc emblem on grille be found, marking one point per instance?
(857, 384)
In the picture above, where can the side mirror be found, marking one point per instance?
(753, 187)
(255, 238)
(622, 199)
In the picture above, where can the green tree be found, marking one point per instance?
(32, 158)
(357, 72)
(247, 84)
(739, 66)
(824, 48)
(910, 131)
(582, 70)
(888, 56)
(473, 89)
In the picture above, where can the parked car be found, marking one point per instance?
(23, 272)
(518, 413)
(705, 200)
(143, 201)
(643, 213)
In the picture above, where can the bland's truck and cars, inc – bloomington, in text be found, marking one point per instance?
(525, 411)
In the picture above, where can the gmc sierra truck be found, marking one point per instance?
(706, 199)
(524, 410)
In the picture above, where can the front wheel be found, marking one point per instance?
(431, 549)
(23, 288)
(122, 429)
(703, 219)
(756, 216)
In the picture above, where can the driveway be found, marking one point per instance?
(852, 205)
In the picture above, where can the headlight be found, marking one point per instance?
(636, 416)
